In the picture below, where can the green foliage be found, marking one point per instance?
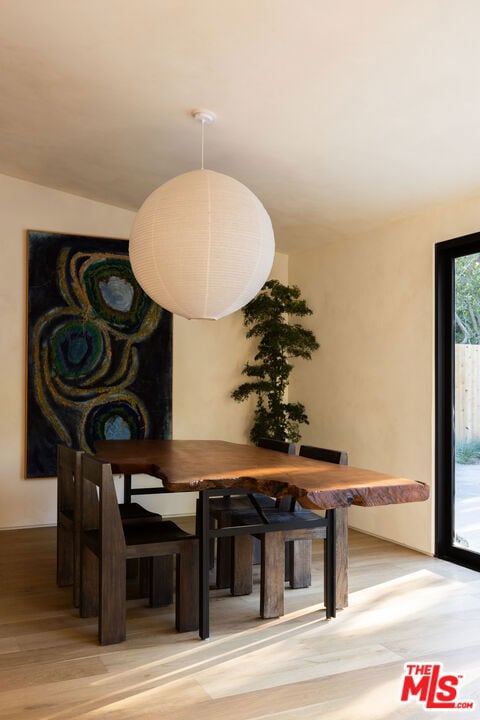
(278, 341)
(467, 299)
(467, 452)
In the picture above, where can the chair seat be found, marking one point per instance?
(155, 532)
(135, 511)
(162, 531)
(243, 503)
(238, 502)
(301, 518)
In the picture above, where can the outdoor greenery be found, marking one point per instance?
(467, 331)
(467, 299)
(267, 317)
(467, 452)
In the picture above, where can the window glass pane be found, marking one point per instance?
(466, 510)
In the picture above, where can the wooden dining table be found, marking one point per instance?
(207, 465)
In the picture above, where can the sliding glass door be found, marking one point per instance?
(458, 400)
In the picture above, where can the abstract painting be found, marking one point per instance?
(99, 350)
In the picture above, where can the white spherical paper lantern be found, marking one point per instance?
(202, 245)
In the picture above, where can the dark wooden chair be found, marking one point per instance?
(107, 544)
(222, 511)
(68, 522)
(338, 457)
(298, 547)
(278, 445)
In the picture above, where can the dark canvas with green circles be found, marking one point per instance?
(99, 350)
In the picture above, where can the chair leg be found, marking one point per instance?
(161, 582)
(76, 567)
(88, 584)
(257, 552)
(341, 530)
(138, 579)
(187, 588)
(65, 556)
(241, 563)
(288, 560)
(112, 623)
(273, 575)
(300, 574)
(224, 568)
(144, 571)
(298, 564)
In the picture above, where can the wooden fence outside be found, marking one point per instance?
(467, 392)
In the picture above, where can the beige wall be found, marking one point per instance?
(208, 356)
(370, 388)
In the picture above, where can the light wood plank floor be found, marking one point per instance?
(404, 607)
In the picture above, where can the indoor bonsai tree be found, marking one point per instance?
(278, 342)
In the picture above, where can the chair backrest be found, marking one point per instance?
(100, 509)
(278, 445)
(68, 481)
(339, 457)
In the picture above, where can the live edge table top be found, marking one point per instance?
(192, 465)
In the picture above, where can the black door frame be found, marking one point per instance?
(445, 254)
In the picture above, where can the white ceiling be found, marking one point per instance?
(338, 114)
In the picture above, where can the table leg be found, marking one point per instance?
(330, 560)
(272, 575)
(127, 488)
(241, 582)
(341, 515)
(204, 563)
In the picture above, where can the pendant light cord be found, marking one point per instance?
(205, 117)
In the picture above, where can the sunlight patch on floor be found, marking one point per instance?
(398, 600)
(380, 703)
(293, 662)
